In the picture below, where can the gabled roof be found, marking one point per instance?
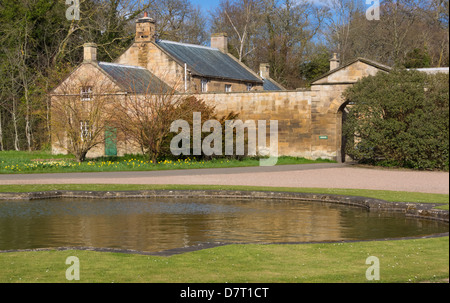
(134, 79)
(364, 60)
(207, 61)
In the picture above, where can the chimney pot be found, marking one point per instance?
(220, 41)
(90, 52)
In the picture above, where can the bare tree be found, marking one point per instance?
(145, 119)
(12, 95)
(26, 80)
(79, 120)
(339, 24)
(290, 27)
(405, 28)
(240, 20)
(179, 20)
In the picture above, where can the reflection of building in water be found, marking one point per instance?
(249, 221)
(280, 221)
(166, 227)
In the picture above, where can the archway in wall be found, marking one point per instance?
(341, 140)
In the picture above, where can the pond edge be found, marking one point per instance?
(411, 209)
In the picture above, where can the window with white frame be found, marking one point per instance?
(204, 85)
(228, 88)
(249, 87)
(86, 93)
(85, 132)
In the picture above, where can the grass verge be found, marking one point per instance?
(400, 261)
(12, 162)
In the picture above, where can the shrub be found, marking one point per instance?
(400, 119)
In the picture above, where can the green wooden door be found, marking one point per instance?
(111, 141)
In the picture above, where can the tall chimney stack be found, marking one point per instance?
(90, 52)
(145, 29)
(220, 41)
(264, 70)
(334, 62)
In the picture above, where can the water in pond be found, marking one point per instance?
(160, 224)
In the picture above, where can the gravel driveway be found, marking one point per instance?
(307, 175)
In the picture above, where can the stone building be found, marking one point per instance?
(309, 120)
(192, 68)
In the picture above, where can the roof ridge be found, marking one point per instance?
(121, 65)
(187, 44)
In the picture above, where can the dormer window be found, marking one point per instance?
(86, 93)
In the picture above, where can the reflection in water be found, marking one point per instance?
(160, 224)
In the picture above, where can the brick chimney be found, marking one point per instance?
(264, 70)
(220, 41)
(90, 52)
(334, 61)
(145, 29)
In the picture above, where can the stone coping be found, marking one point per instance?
(419, 210)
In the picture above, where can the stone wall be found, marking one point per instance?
(219, 86)
(292, 110)
(326, 121)
(303, 116)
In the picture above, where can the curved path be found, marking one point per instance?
(326, 175)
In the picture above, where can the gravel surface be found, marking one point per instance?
(308, 175)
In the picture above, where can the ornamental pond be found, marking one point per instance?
(158, 224)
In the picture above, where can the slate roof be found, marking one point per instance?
(134, 79)
(207, 62)
(270, 84)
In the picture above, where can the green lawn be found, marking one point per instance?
(44, 162)
(400, 261)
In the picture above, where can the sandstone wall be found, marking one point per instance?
(292, 110)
